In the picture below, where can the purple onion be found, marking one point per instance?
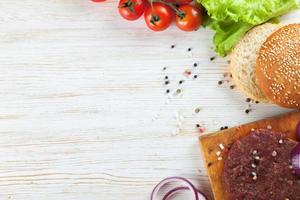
(296, 159)
(185, 185)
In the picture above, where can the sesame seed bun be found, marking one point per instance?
(278, 67)
(243, 61)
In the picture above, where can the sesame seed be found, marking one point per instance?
(221, 146)
(274, 153)
(280, 141)
(269, 127)
(220, 158)
(218, 153)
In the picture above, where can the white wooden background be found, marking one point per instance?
(83, 113)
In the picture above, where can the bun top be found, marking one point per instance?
(278, 67)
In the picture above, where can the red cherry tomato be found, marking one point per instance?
(131, 9)
(158, 17)
(97, 1)
(191, 18)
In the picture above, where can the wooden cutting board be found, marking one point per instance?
(210, 145)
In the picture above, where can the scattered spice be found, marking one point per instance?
(228, 61)
(181, 81)
(178, 91)
(220, 158)
(218, 153)
(232, 87)
(253, 165)
(167, 91)
(257, 102)
(167, 82)
(165, 68)
(212, 58)
(274, 153)
(187, 73)
(195, 64)
(280, 141)
(223, 128)
(195, 76)
(269, 127)
(197, 125)
(189, 49)
(166, 77)
(209, 164)
(197, 110)
(247, 111)
(221, 146)
(220, 82)
(173, 46)
(248, 100)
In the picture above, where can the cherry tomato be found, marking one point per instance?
(131, 9)
(190, 19)
(158, 17)
(97, 1)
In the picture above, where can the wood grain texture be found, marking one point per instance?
(286, 124)
(83, 111)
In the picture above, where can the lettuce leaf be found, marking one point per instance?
(231, 19)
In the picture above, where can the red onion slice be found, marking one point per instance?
(184, 185)
(296, 159)
(178, 189)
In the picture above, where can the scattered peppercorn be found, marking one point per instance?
(225, 127)
(228, 61)
(257, 102)
(178, 91)
(167, 91)
(248, 100)
(212, 58)
(167, 82)
(247, 111)
(220, 82)
(198, 125)
(181, 81)
(195, 64)
(222, 128)
(197, 110)
(164, 69)
(173, 46)
(230, 75)
(195, 76)
(232, 87)
(189, 49)
(209, 164)
(166, 77)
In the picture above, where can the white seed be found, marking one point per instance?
(221, 146)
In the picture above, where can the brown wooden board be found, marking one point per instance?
(285, 123)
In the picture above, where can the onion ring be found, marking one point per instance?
(186, 185)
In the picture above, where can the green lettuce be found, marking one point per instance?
(231, 19)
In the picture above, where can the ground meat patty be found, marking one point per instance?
(258, 168)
